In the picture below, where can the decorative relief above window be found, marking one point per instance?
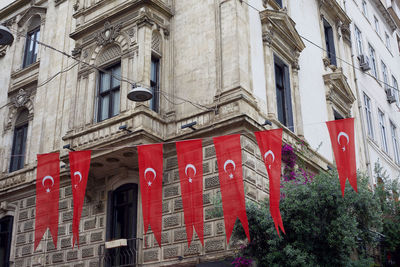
(338, 92)
(108, 34)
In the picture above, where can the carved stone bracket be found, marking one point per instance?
(3, 50)
(108, 34)
(21, 98)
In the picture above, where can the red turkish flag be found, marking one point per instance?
(343, 145)
(79, 166)
(270, 144)
(151, 175)
(229, 158)
(190, 162)
(47, 196)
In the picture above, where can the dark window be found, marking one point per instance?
(279, 2)
(109, 87)
(122, 224)
(5, 240)
(329, 41)
(283, 94)
(155, 83)
(31, 47)
(337, 115)
(19, 142)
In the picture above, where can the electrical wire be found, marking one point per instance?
(334, 55)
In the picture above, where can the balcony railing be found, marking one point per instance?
(121, 255)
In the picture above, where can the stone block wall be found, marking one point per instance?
(174, 249)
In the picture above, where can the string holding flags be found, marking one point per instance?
(190, 163)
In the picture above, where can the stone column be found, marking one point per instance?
(269, 71)
(297, 100)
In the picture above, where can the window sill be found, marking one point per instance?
(24, 76)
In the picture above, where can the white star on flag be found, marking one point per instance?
(48, 190)
(149, 183)
(190, 180)
(231, 176)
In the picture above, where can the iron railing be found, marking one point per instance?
(119, 256)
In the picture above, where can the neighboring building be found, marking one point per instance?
(376, 56)
(222, 64)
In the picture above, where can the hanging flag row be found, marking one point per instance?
(190, 163)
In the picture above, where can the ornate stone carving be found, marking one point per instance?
(108, 34)
(76, 5)
(21, 98)
(3, 50)
(156, 42)
(76, 51)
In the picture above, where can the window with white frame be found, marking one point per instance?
(373, 61)
(358, 40)
(387, 40)
(396, 89)
(385, 76)
(376, 22)
(383, 130)
(368, 115)
(395, 142)
(364, 8)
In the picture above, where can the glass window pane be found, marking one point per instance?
(104, 107)
(104, 82)
(115, 104)
(116, 72)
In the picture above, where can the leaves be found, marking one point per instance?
(322, 227)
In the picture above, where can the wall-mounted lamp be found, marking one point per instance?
(124, 128)
(68, 147)
(189, 125)
(329, 167)
(6, 37)
(139, 94)
(267, 122)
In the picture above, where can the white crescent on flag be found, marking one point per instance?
(229, 161)
(269, 152)
(48, 177)
(346, 136)
(152, 171)
(190, 166)
(79, 174)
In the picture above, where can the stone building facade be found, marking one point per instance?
(224, 64)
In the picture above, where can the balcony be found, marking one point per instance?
(125, 255)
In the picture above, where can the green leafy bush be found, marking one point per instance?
(322, 228)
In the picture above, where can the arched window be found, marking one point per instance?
(122, 224)
(109, 83)
(19, 141)
(31, 46)
(5, 240)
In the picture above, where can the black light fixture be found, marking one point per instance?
(68, 146)
(189, 125)
(6, 37)
(267, 122)
(124, 128)
(139, 93)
